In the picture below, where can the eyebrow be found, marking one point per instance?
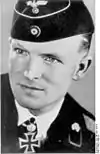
(54, 55)
(18, 44)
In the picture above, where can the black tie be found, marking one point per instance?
(27, 132)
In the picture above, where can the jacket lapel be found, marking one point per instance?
(9, 117)
(58, 134)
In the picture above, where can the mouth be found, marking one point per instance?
(34, 88)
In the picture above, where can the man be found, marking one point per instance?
(49, 47)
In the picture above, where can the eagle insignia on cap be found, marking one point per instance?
(35, 30)
(34, 4)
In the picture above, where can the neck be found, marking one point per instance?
(50, 107)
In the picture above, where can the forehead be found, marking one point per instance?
(68, 44)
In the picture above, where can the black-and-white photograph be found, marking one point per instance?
(47, 76)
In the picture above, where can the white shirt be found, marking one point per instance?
(43, 121)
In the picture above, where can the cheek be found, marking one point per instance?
(64, 77)
(16, 64)
(60, 76)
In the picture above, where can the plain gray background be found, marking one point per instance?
(84, 90)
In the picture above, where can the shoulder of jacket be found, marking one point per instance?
(90, 123)
(87, 116)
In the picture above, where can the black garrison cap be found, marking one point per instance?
(48, 20)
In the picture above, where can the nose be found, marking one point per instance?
(35, 68)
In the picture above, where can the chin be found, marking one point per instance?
(31, 103)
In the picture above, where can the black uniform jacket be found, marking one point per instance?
(61, 137)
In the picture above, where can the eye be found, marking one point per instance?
(20, 51)
(51, 60)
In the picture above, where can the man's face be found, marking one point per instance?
(52, 65)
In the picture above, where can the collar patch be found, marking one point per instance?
(75, 135)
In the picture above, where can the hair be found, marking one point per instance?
(86, 43)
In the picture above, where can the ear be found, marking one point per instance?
(82, 68)
(10, 40)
